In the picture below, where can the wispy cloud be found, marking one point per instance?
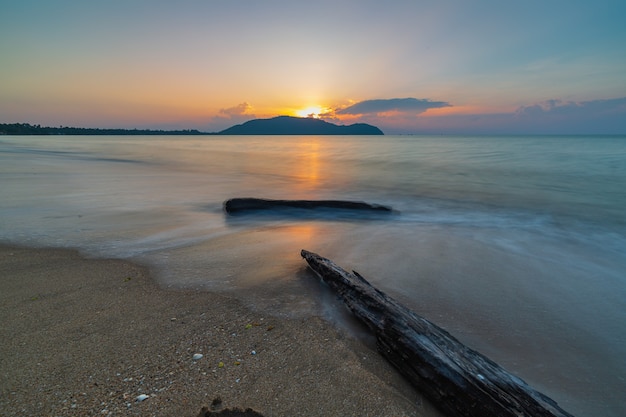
(231, 115)
(236, 111)
(409, 115)
(594, 108)
(556, 116)
(547, 117)
(403, 105)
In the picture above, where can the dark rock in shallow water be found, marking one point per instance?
(240, 205)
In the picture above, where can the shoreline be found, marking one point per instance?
(88, 336)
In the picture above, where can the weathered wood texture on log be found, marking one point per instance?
(238, 205)
(459, 380)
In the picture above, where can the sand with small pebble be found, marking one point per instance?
(87, 337)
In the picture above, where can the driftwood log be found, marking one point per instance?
(459, 380)
(240, 205)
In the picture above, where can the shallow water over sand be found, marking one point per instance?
(516, 245)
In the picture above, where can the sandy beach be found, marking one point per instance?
(86, 337)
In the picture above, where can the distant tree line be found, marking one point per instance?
(28, 129)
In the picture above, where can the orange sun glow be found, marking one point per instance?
(311, 111)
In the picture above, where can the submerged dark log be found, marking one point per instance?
(238, 205)
(459, 380)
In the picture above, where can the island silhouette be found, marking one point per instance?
(281, 125)
(288, 125)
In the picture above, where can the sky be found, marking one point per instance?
(408, 67)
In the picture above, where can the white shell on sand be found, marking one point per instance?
(142, 397)
(197, 356)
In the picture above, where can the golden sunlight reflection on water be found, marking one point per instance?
(307, 170)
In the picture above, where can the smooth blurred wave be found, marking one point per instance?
(517, 245)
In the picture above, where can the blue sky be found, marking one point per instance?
(498, 67)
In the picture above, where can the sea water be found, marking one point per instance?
(515, 245)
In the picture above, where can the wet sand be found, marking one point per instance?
(85, 337)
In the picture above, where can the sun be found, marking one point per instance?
(311, 111)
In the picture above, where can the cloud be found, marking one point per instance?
(407, 116)
(403, 105)
(238, 110)
(593, 108)
(548, 117)
(231, 116)
(556, 116)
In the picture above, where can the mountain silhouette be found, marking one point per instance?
(288, 125)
